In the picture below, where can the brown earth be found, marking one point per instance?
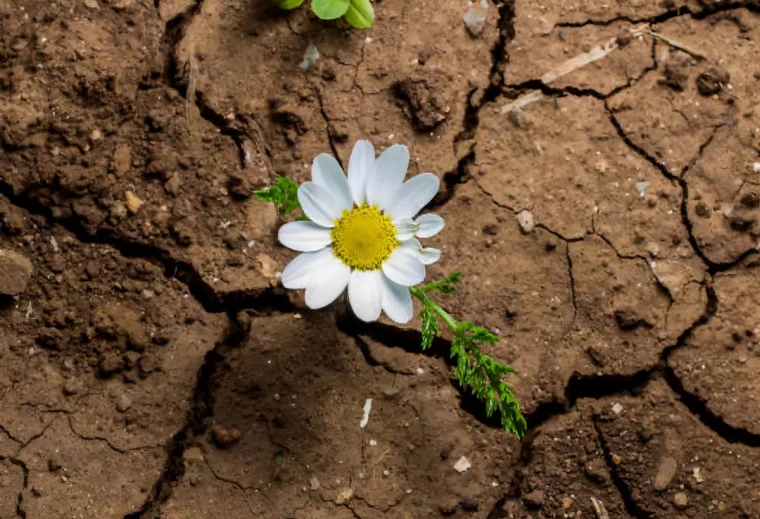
(153, 368)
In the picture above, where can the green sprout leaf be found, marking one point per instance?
(360, 14)
(330, 9)
(284, 195)
(475, 370)
(288, 4)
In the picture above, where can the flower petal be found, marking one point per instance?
(429, 255)
(405, 229)
(318, 205)
(397, 301)
(304, 236)
(390, 170)
(365, 294)
(429, 225)
(299, 272)
(327, 174)
(413, 195)
(325, 288)
(404, 265)
(361, 166)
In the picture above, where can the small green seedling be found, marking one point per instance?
(358, 13)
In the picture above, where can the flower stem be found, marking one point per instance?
(421, 294)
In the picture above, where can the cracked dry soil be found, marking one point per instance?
(151, 367)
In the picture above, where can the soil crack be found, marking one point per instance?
(631, 506)
(666, 16)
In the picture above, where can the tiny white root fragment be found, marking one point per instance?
(367, 409)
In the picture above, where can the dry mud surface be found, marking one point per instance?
(151, 367)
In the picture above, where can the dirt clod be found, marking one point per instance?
(225, 437)
(680, 500)
(471, 504)
(134, 203)
(712, 82)
(15, 271)
(534, 499)
(665, 473)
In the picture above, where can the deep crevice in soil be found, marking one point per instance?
(196, 424)
(20, 512)
(667, 15)
(631, 506)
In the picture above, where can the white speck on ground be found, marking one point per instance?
(367, 409)
(462, 464)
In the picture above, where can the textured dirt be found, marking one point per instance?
(153, 368)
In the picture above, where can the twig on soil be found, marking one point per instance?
(676, 45)
(192, 76)
(573, 64)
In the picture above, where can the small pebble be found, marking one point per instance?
(518, 118)
(525, 219)
(225, 437)
(462, 464)
(470, 505)
(344, 496)
(665, 472)
(15, 272)
(123, 404)
(133, 202)
(680, 500)
(617, 408)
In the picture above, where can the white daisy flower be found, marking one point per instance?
(363, 233)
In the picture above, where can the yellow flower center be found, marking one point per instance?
(363, 238)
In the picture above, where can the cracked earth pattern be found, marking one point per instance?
(153, 368)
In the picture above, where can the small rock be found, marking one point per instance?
(470, 505)
(173, 185)
(665, 473)
(225, 437)
(525, 219)
(344, 496)
(567, 502)
(462, 464)
(534, 499)
(628, 319)
(712, 82)
(122, 160)
(697, 473)
(641, 187)
(310, 56)
(518, 118)
(71, 387)
(680, 500)
(123, 404)
(193, 454)
(15, 272)
(475, 21)
(314, 483)
(92, 4)
(54, 464)
(390, 392)
(133, 202)
(617, 408)
(110, 364)
(596, 470)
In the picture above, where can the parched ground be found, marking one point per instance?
(152, 368)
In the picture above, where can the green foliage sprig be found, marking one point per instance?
(475, 370)
(283, 194)
(358, 13)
